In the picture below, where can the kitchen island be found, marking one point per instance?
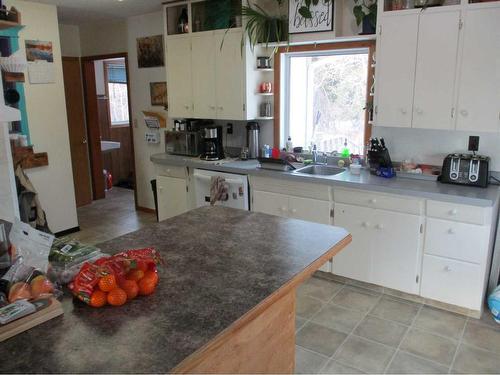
(225, 303)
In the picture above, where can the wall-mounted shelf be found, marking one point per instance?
(28, 158)
(13, 77)
(265, 93)
(264, 118)
(12, 18)
(264, 69)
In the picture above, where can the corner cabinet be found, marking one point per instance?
(205, 74)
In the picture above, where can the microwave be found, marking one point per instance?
(187, 143)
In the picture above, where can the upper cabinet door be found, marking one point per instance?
(230, 75)
(479, 84)
(436, 69)
(203, 70)
(179, 77)
(396, 56)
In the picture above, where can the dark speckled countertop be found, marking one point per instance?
(221, 263)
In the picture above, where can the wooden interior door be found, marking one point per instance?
(77, 132)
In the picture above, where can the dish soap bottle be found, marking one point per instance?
(345, 151)
(289, 144)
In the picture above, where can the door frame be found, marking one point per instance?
(93, 130)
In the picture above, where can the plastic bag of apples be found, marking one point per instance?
(117, 279)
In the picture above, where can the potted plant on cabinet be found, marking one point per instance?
(365, 13)
(262, 26)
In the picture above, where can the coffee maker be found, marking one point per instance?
(212, 143)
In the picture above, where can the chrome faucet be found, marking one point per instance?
(314, 154)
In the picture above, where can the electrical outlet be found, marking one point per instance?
(229, 128)
(473, 143)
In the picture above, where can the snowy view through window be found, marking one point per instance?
(327, 97)
(118, 103)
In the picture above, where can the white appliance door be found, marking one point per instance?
(237, 189)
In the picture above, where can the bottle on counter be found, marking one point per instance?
(289, 145)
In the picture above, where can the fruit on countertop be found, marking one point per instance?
(107, 283)
(135, 274)
(20, 290)
(117, 297)
(152, 275)
(41, 286)
(131, 288)
(98, 298)
(147, 286)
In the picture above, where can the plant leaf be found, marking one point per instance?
(358, 14)
(304, 12)
(307, 3)
(316, 2)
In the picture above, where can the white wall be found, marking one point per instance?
(70, 40)
(431, 146)
(140, 26)
(46, 107)
(103, 38)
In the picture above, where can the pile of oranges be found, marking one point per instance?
(116, 291)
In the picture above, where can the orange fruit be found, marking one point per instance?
(135, 274)
(147, 286)
(131, 288)
(142, 265)
(18, 291)
(153, 276)
(98, 298)
(107, 283)
(117, 297)
(41, 286)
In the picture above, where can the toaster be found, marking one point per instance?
(466, 169)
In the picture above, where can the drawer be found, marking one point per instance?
(293, 188)
(460, 241)
(171, 171)
(380, 201)
(451, 281)
(459, 212)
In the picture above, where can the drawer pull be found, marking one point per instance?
(365, 224)
(294, 211)
(447, 269)
(283, 208)
(373, 201)
(453, 212)
(379, 226)
(451, 231)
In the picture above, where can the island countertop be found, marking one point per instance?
(221, 265)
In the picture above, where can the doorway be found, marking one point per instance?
(106, 88)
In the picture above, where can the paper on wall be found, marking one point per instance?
(41, 71)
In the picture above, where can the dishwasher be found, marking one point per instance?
(237, 189)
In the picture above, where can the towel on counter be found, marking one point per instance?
(218, 190)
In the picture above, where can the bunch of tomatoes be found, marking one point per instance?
(117, 291)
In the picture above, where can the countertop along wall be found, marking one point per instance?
(46, 107)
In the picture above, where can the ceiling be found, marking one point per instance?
(77, 12)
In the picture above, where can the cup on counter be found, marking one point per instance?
(355, 169)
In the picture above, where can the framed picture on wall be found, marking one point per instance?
(150, 51)
(321, 16)
(158, 92)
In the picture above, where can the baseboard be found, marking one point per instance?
(145, 209)
(67, 231)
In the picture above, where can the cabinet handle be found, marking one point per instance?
(453, 212)
(221, 108)
(403, 111)
(419, 111)
(373, 201)
(380, 226)
(294, 211)
(186, 106)
(160, 188)
(283, 209)
(464, 113)
(365, 224)
(447, 269)
(451, 231)
(212, 107)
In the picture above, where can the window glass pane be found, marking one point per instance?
(327, 97)
(118, 103)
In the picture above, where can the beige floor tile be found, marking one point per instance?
(383, 331)
(406, 363)
(472, 360)
(307, 362)
(319, 288)
(334, 367)
(365, 355)
(487, 319)
(427, 345)
(320, 339)
(356, 298)
(396, 309)
(440, 322)
(306, 306)
(483, 336)
(361, 284)
(338, 318)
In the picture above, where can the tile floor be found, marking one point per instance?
(345, 328)
(108, 218)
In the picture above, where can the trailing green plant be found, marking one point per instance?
(366, 9)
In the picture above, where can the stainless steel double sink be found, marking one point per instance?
(319, 170)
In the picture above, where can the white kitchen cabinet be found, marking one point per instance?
(395, 71)
(355, 260)
(396, 250)
(172, 196)
(308, 209)
(230, 76)
(270, 203)
(203, 72)
(179, 76)
(436, 69)
(478, 106)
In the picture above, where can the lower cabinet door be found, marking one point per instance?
(270, 203)
(355, 260)
(308, 209)
(452, 281)
(396, 249)
(172, 197)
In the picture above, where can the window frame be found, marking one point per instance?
(123, 124)
(281, 74)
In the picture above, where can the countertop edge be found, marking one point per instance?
(183, 161)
